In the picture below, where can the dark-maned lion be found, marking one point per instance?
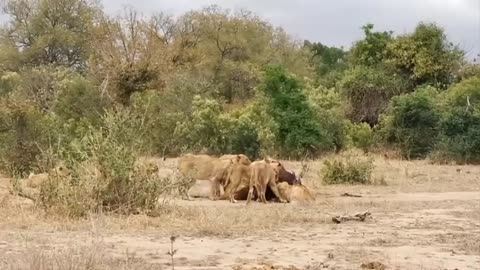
(263, 175)
(213, 169)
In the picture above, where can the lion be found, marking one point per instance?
(296, 193)
(36, 180)
(263, 175)
(237, 182)
(284, 175)
(182, 184)
(213, 169)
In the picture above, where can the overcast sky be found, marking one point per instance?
(338, 22)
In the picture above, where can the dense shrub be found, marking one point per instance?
(106, 177)
(360, 136)
(411, 122)
(202, 129)
(298, 128)
(25, 133)
(467, 91)
(350, 167)
(329, 111)
(368, 92)
(459, 138)
(426, 56)
(79, 99)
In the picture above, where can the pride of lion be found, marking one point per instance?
(239, 178)
(242, 179)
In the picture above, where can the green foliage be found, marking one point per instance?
(459, 138)
(202, 129)
(350, 167)
(134, 78)
(55, 32)
(106, 176)
(9, 81)
(426, 56)
(209, 128)
(411, 122)
(88, 89)
(329, 62)
(75, 95)
(361, 136)
(371, 50)
(24, 134)
(329, 111)
(237, 80)
(298, 128)
(255, 130)
(368, 91)
(463, 93)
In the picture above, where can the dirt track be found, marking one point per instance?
(409, 230)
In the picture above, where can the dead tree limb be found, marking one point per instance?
(350, 195)
(356, 217)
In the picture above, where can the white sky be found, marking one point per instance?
(338, 22)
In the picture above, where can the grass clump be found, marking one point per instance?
(351, 167)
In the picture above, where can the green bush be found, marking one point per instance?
(299, 130)
(361, 136)
(411, 122)
(329, 109)
(464, 92)
(79, 99)
(160, 121)
(106, 177)
(459, 138)
(253, 130)
(350, 167)
(368, 91)
(25, 133)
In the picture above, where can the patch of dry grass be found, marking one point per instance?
(74, 257)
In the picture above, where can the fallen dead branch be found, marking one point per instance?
(356, 217)
(21, 193)
(350, 195)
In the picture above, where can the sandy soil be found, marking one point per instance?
(426, 217)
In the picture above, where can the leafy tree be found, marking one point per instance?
(326, 58)
(371, 50)
(298, 128)
(460, 135)
(426, 56)
(79, 99)
(411, 122)
(55, 32)
(131, 55)
(368, 92)
(460, 124)
(41, 85)
(24, 134)
(329, 62)
(464, 94)
(361, 136)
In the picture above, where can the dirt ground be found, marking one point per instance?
(424, 216)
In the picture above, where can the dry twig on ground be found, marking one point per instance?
(346, 194)
(356, 217)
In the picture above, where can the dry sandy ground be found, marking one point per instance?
(426, 217)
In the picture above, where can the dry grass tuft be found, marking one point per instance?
(93, 256)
